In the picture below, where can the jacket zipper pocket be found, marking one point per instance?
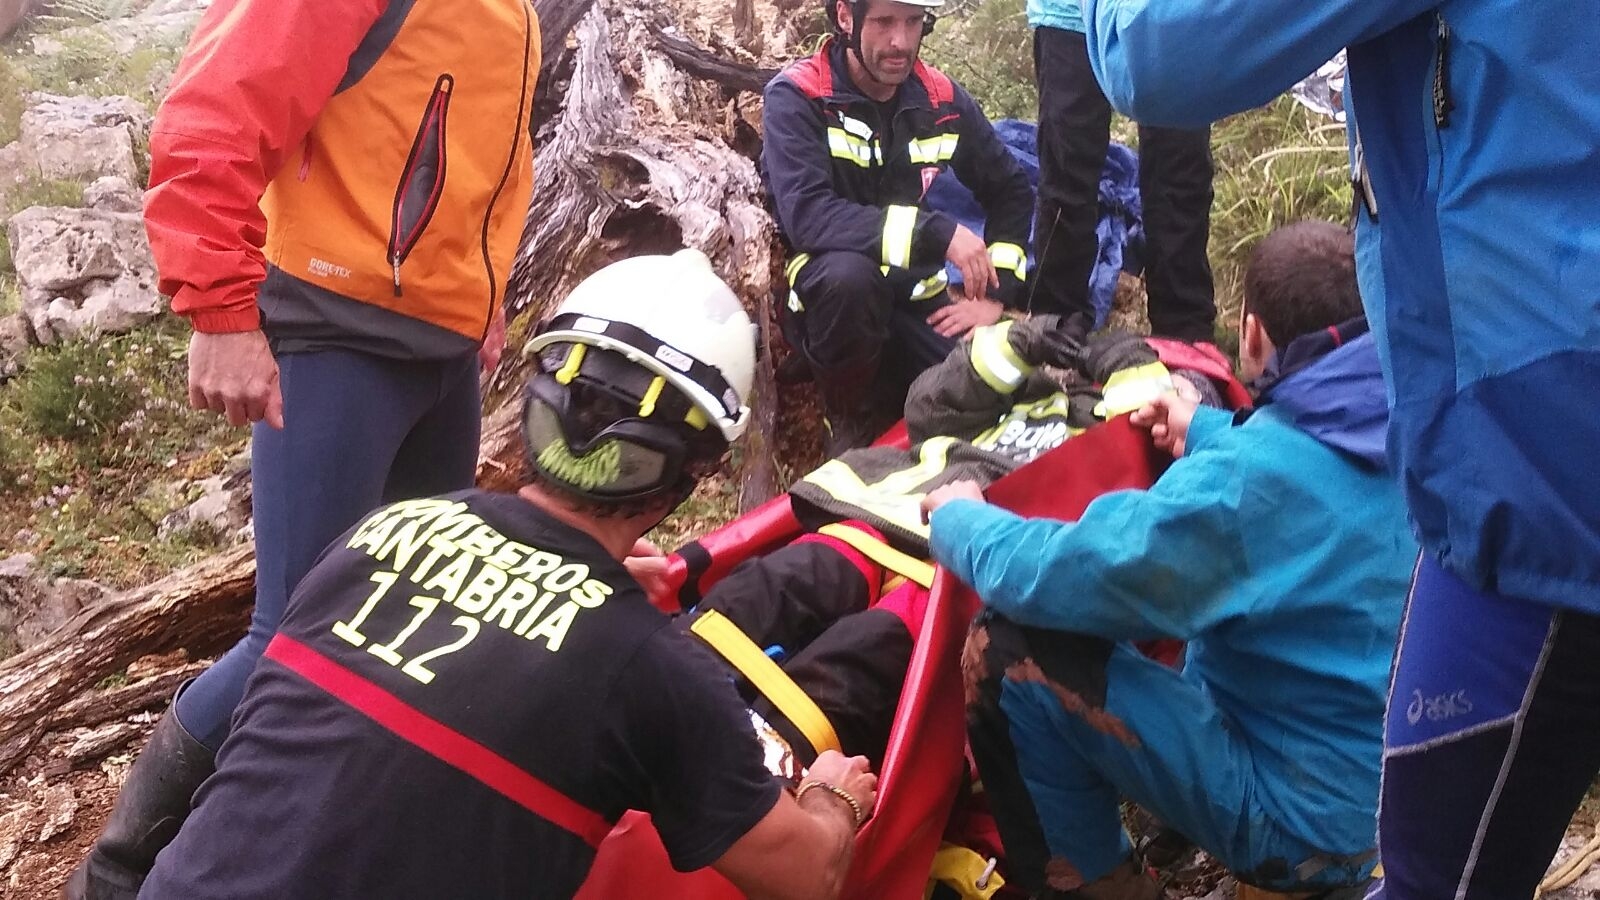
(416, 197)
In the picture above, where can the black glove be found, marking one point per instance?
(1050, 340)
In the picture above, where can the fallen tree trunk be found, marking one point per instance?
(202, 609)
(637, 160)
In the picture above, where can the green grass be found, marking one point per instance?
(42, 192)
(1275, 165)
(10, 293)
(92, 434)
(15, 82)
(988, 49)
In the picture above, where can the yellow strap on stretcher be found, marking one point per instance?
(742, 653)
(918, 570)
(965, 872)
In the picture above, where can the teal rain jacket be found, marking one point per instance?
(1064, 14)
(1281, 557)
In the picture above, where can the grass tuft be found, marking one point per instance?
(86, 429)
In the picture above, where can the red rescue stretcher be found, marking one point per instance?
(924, 764)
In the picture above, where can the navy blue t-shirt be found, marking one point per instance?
(464, 694)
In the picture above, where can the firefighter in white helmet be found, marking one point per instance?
(468, 690)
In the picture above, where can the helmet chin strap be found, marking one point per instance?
(853, 38)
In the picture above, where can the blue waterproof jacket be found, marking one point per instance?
(1064, 14)
(1479, 125)
(1282, 558)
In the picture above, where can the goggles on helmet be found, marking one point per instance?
(630, 458)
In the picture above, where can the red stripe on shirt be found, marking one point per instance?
(440, 740)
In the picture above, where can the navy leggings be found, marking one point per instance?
(359, 431)
(1492, 737)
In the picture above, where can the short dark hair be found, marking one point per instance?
(1302, 278)
(596, 410)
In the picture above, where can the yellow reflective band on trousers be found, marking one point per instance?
(1010, 257)
(843, 145)
(897, 498)
(1128, 389)
(933, 150)
(930, 287)
(994, 359)
(899, 225)
(918, 570)
(742, 653)
(792, 272)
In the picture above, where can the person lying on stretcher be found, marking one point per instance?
(838, 607)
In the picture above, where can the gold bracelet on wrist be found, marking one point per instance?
(856, 811)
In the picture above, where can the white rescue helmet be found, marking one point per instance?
(673, 316)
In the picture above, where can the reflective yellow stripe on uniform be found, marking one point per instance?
(894, 499)
(791, 272)
(842, 145)
(1009, 256)
(994, 359)
(899, 225)
(742, 653)
(933, 150)
(930, 287)
(1128, 389)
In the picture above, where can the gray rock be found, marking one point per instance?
(82, 271)
(32, 605)
(15, 338)
(112, 193)
(56, 248)
(223, 507)
(13, 832)
(59, 805)
(83, 137)
(115, 306)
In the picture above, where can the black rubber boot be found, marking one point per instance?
(152, 805)
(854, 414)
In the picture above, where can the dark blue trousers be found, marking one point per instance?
(359, 431)
(1491, 739)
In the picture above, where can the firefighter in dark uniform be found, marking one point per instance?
(467, 691)
(854, 136)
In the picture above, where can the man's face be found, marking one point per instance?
(891, 36)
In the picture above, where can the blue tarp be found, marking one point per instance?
(1120, 227)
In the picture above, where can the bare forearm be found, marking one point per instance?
(835, 827)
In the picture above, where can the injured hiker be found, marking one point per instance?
(838, 606)
(1276, 545)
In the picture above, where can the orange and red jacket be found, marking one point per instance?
(352, 172)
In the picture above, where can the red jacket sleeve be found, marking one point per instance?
(252, 82)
